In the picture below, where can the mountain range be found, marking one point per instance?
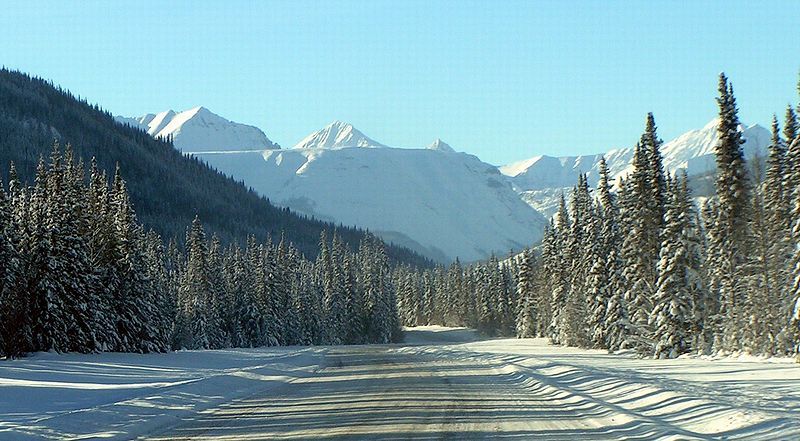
(438, 202)
(541, 179)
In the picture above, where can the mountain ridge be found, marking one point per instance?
(199, 129)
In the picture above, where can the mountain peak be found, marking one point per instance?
(440, 145)
(201, 130)
(337, 135)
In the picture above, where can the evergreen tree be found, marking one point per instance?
(527, 315)
(12, 305)
(732, 224)
(679, 277)
(196, 290)
(559, 271)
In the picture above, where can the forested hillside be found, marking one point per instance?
(166, 188)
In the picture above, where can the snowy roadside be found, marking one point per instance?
(119, 396)
(732, 397)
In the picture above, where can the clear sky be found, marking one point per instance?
(500, 79)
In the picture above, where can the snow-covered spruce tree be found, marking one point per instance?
(355, 325)
(407, 296)
(306, 312)
(544, 290)
(382, 324)
(612, 334)
(791, 177)
(11, 305)
(217, 306)
(771, 255)
(485, 290)
(777, 203)
(527, 315)
(446, 297)
(80, 280)
(277, 290)
(559, 274)
(290, 264)
(506, 319)
(332, 302)
(155, 262)
(196, 289)
(428, 299)
(16, 325)
(779, 234)
(644, 213)
(732, 224)
(580, 236)
(272, 294)
(791, 335)
(258, 316)
(45, 308)
(679, 282)
(102, 239)
(456, 313)
(597, 297)
(136, 302)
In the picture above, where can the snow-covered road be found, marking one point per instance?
(442, 384)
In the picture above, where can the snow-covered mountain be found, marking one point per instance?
(438, 202)
(200, 130)
(440, 146)
(336, 135)
(540, 180)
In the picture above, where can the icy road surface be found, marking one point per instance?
(442, 384)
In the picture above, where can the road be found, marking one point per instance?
(423, 392)
(380, 393)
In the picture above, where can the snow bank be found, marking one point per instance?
(119, 396)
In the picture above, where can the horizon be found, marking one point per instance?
(421, 72)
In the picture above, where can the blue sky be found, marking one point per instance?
(502, 80)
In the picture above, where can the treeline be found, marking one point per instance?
(79, 273)
(643, 267)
